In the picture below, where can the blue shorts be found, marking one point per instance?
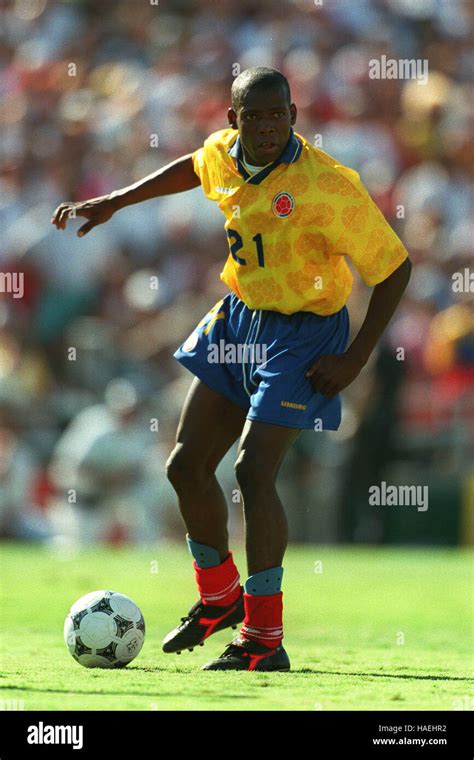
(257, 359)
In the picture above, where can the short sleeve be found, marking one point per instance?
(202, 164)
(368, 239)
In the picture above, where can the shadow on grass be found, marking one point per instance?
(228, 695)
(409, 676)
(305, 671)
(85, 692)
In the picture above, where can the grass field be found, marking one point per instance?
(365, 629)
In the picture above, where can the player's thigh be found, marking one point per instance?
(208, 426)
(262, 448)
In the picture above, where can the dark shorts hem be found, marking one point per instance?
(294, 426)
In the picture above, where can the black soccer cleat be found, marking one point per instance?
(201, 622)
(244, 654)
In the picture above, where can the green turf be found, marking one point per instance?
(377, 629)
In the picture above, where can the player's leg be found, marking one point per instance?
(261, 451)
(208, 427)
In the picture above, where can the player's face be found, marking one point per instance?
(263, 120)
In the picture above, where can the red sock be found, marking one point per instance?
(263, 619)
(220, 585)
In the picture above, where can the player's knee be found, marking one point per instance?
(178, 467)
(185, 470)
(252, 473)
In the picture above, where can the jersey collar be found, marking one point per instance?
(290, 154)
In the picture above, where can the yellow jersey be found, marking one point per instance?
(291, 225)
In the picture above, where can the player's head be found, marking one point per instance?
(263, 113)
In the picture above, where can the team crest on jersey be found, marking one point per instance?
(283, 204)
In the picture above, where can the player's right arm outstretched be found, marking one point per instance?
(172, 178)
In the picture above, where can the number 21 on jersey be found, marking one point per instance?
(236, 243)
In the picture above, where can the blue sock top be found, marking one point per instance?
(205, 556)
(264, 583)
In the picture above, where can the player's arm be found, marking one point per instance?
(175, 177)
(331, 373)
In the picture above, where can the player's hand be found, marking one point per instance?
(97, 211)
(332, 373)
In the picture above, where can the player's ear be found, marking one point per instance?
(293, 113)
(232, 118)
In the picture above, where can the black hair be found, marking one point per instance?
(255, 77)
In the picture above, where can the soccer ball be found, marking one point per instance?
(104, 630)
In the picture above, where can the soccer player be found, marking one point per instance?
(293, 214)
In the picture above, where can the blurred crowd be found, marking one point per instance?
(96, 95)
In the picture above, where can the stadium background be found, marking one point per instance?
(86, 366)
